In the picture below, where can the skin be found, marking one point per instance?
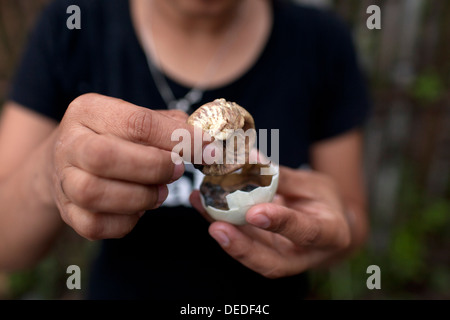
(109, 160)
(174, 31)
(98, 170)
(314, 220)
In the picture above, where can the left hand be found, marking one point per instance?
(304, 227)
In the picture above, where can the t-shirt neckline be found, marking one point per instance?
(235, 82)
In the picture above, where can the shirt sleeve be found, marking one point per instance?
(37, 81)
(341, 102)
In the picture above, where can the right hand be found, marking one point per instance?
(111, 161)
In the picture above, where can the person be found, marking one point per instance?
(85, 141)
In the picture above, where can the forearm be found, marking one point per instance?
(357, 219)
(29, 219)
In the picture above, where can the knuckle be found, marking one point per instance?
(311, 234)
(86, 193)
(96, 154)
(344, 241)
(81, 103)
(280, 223)
(87, 224)
(162, 168)
(75, 105)
(306, 234)
(92, 227)
(140, 125)
(148, 199)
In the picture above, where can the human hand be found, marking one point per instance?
(111, 161)
(304, 227)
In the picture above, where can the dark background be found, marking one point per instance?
(407, 156)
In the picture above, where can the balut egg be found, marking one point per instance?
(228, 198)
(232, 186)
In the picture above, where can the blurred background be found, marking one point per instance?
(407, 154)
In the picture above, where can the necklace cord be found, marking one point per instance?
(196, 93)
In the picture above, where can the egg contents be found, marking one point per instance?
(230, 203)
(232, 127)
(228, 190)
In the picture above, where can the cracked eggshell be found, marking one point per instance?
(239, 201)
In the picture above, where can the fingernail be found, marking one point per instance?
(221, 238)
(259, 220)
(163, 192)
(177, 171)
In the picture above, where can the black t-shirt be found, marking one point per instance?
(306, 83)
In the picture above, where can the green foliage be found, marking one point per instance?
(406, 254)
(21, 283)
(414, 262)
(436, 217)
(38, 283)
(428, 88)
(440, 281)
(48, 279)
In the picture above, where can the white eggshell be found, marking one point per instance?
(239, 201)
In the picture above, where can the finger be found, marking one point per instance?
(110, 157)
(106, 115)
(102, 195)
(96, 226)
(177, 115)
(298, 183)
(301, 228)
(246, 250)
(272, 259)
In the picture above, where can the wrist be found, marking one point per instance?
(43, 172)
